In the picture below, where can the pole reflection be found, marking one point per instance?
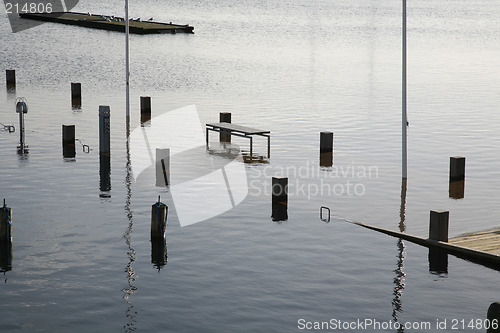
(129, 290)
(399, 280)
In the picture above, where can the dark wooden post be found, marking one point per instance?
(145, 109)
(438, 226)
(68, 141)
(457, 168)
(76, 94)
(159, 213)
(279, 199)
(10, 75)
(326, 149)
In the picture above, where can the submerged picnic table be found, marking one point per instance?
(242, 131)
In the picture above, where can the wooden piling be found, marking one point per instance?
(10, 76)
(5, 223)
(159, 213)
(145, 109)
(104, 130)
(457, 168)
(68, 141)
(326, 142)
(162, 166)
(438, 226)
(326, 149)
(279, 199)
(225, 117)
(76, 94)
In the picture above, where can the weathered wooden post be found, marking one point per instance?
(10, 75)
(76, 94)
(225, 117)
(159, 213)
(5, 238)
(162, 166)
(493, 317)
(326, 149)
(104, 150)
(145, 109)
(21, 108)
(104, 130)
(279, 199)
(438, 226)
(68, 141)
(457, 168)
(5, 223)
(457, 177)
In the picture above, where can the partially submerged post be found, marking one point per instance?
(162, 166)
(76, 94)
(10, 76)
(159, 213)
(224, 117)
(104, 150)
(279, 199)
(21, 108)
(326, 149)
(145, 109)
(438, 226)
(457, 168)
(104, 130)
(5, 238)
(457, 177)
(5, 223)
(68, 141)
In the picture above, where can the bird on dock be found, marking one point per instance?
(150, 19)
(88, 13)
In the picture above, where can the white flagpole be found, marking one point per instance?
(127, 62)
(404, 116)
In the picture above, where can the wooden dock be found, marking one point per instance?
(485, 241)
(111, 23)
(481, 247)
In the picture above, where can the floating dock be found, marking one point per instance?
(112, 23)
(482, 247)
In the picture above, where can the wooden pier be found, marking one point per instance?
(481, 247)
(109, 22)
(485, 241)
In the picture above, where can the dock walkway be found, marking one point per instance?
(481, 247)
(108, 22)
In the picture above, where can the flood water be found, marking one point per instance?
(81, 252)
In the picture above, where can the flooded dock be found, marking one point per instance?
(112, 23)
(485, 241)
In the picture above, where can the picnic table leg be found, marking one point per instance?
(268, 146)
(251, 147)
(207, 137)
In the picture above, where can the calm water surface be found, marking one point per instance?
(82, 256)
